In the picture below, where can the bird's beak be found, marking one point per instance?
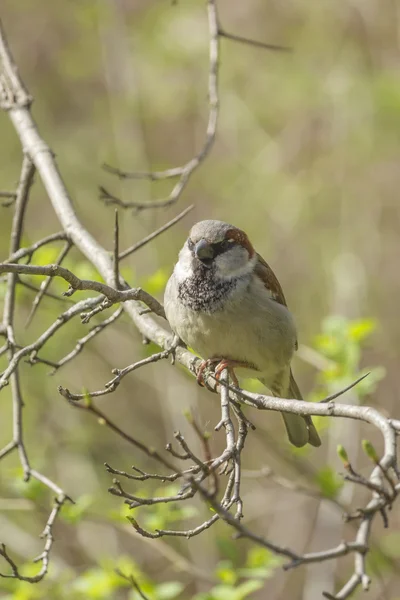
(204, 251)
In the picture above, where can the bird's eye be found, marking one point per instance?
(226, 244)
(223, 246)
(190, 244)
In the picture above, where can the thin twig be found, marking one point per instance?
(249, 42)
(35, 346)
(81, 343)
(112, 385)
(22, 252)
(130, 579)
(116, 252)
(185, 172)
(155, 234)
(44, 286)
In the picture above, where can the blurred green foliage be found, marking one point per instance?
(306, 161)
(329, 482)
(341, 342)
(102, 582)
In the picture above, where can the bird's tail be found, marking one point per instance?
(300, 430)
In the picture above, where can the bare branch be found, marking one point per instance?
(116, 252)
(185, 172)
(81, 343)
(112, 295)
(103, 419)
(112, 385)
(33, 348)
(44, 557)
(22, 252)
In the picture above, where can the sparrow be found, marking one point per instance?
(224, 301)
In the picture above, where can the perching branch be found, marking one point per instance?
(112, 296)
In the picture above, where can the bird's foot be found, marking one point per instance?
(221, 365)
(203, 366)
(228, 364)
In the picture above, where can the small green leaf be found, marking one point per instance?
(245, 589)
(226, 573)
(87, 400)
(370, 451)
(169, 590)
(342, 454)
(359, 330)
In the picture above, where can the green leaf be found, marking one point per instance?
(248, 587)
(169, 590)
(261, 557)
(359, 330)
(98, 584)
(370, 451)
(226, 573)
(260, 564)
(342, 454)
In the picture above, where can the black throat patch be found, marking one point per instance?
(204, 292)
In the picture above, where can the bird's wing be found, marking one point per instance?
(270, 281)
(268, 277)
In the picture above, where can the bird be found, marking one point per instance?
(224, 301)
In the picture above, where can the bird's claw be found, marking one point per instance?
(221, 365)
(203, 366)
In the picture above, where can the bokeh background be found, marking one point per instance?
(307, 162)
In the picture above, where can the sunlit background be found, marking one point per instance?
(307, 162)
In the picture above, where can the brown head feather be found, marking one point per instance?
(241, 238)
